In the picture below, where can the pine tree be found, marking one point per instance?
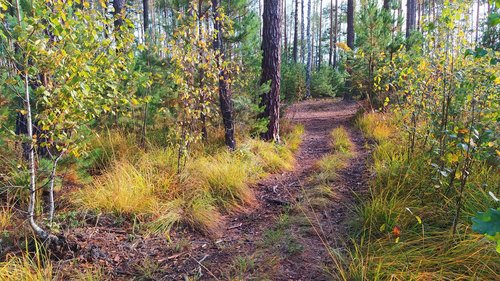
(271, 67)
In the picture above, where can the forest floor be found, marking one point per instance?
(282, 237)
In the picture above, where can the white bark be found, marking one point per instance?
(51, 188)
(42, 234)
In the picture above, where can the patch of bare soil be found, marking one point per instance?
(247, 250)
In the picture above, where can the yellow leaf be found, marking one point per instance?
(418, 219)
(343, 46)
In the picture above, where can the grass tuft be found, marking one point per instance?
(148, 185)
(402, 231)
(340, 140)
(270, 156)
(124, 189)
(225, 177)
(376, 126)
(30, 267)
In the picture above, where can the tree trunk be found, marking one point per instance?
(320, 33)
(226, 103)
(309, 51)
(400, 14)
(271, 67)
(302, 34)
(42, 234)
(118, 13)
(350, 43)
(330, 54)
(285, 39)
(296, 31)
(350, 23)
(477, 21)
(201, 74)
(145, 13)
(410, 17)
(386, 5)
(335, 35)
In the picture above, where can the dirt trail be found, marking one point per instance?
(319, 118)
(261, 244)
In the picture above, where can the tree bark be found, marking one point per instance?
(335, 35)
(385, 6)
(296, 31)
(201, 74)
(302, 34)
(118, 13)
(226, 103)
(285, 38)
(320, 33)
(477, 21)
(350, 43)
(309, 51)
(330, 54)
(145, 14)
(42, 234)
(410, 17)
(271, 67)
(350, 24)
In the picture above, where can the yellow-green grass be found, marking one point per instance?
(329, 165)
(28, 266)
(270, 156)
(292, 135)
(376, 126)
(123, 189)
(404, 201)
(340, 140)
(5, 217)
(435, 256)
(320, 196)
(225, 177)
(149, 187)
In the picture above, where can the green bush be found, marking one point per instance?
(293, 83)
(326, 82)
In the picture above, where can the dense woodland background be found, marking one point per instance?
(164, 114)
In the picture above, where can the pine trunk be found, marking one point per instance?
(285, 39)
(350, 24)
(145, 15)
(271, 67)
(296, 31)
(226, 103)
(309, 51)
(335, 34)
(320, 33)
(410, 17)
(330, 54)
(302, 34)
(118, 13)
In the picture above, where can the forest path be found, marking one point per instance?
(282, 237)
(276, 240)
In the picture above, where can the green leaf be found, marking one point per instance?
(480, 52)
(493, 19)
(487, 222)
